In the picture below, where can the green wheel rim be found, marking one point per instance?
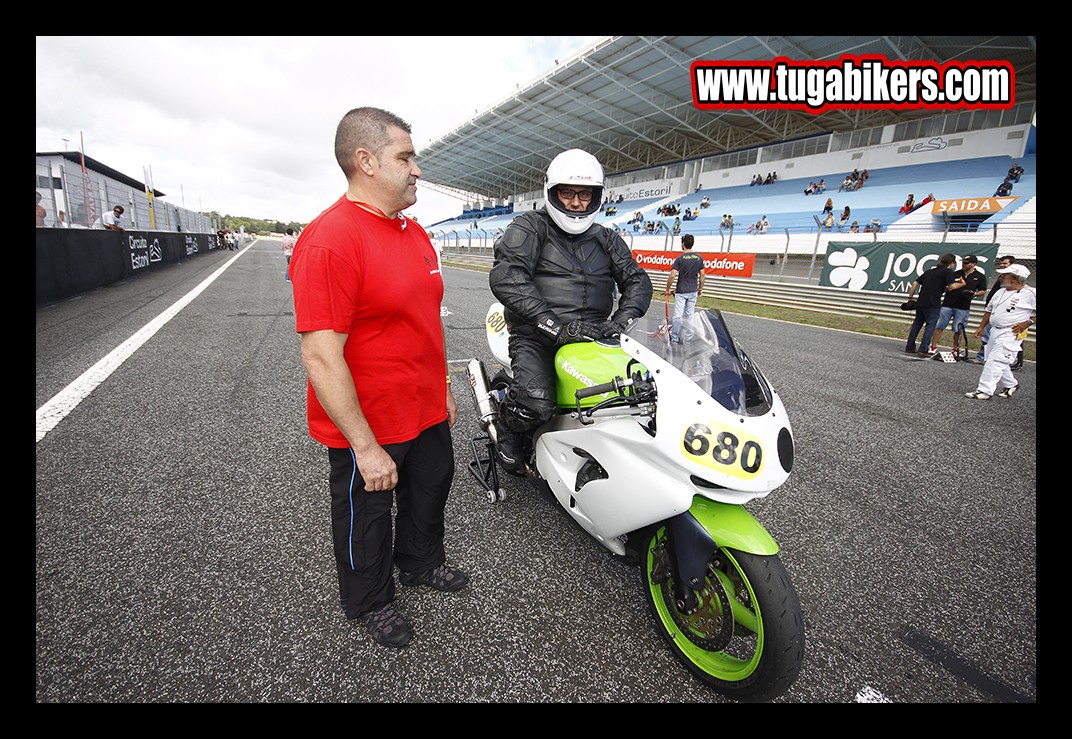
(723, 665)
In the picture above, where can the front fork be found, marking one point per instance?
(695, 535)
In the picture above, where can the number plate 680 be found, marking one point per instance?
(724, 450)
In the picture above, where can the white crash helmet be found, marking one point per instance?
(574, 167)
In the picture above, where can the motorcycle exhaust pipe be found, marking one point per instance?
(487, 407)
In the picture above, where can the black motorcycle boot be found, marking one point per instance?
(511, 451)
(512, 447)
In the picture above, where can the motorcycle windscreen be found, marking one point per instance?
(708, 355)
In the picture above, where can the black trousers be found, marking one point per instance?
(531, 398)
(366, 543)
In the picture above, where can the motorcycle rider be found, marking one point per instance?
(555, 272)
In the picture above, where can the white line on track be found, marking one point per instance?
(65, 401)
(869, 695)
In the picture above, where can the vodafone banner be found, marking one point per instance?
(724, 265)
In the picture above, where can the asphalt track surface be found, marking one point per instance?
(183, 549)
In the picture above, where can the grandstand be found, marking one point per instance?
(795, 217)
(628, 100)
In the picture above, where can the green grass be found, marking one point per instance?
(856, 324)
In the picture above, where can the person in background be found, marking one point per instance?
(688, 272)
(1009, 314)
(1000, 263)
(41, 212)
(113, 221)
(555, 272)
(287, 245)
(956, 304)
(368, 291)
(932, 285)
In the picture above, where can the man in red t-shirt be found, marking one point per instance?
(367, 294)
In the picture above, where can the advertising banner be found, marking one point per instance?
(892, 266)
(717, 264)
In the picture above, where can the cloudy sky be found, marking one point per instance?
(245, 125)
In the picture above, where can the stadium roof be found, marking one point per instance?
(628, 100)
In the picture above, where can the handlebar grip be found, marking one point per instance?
(607, 387)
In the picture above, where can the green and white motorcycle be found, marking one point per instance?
(655, 450)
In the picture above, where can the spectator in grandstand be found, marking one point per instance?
(863, 178)
(112, 221)
(844, 221)
(846, 184)
(727, 221)
(855, 227)
(41, 212)
(828, 222)
(705, 202)
(932, 285)
(956, 304)
(764, 224)
(810, 188)
(908, 204)
(757, 180)
(928, 199)
(549, 302)
(677, 226)
(820, 188)
(769, 180)
(1000, 263)
(1015, 172)
(829, 207)
(1005, 188)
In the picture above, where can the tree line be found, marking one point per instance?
(259, 226)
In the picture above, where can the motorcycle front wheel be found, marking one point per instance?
(744, 637)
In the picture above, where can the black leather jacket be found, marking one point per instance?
(541, 272)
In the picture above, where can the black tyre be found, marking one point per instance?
(746, 638)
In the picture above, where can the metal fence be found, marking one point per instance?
(80, 199)
(791, 255)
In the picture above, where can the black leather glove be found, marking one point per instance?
(575, 331)
(568, 333)
(613, 329)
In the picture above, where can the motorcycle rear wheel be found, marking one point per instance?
(746, 638)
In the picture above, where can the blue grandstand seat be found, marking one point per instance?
(786, 206)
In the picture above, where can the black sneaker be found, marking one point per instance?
(388, 626)
(444, 577)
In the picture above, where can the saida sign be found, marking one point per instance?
(892, 266)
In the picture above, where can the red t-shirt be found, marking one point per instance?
(379, 282)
